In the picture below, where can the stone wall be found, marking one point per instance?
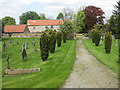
(24, 35)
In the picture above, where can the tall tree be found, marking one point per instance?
(42, 17)
(80, 19)
(93, 15)
(68, 13)
(60, 16)
(30, 15)
(7, 21)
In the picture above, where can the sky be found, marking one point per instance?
(51, 8)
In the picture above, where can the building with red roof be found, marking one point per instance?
(42, 25)
(16, 29)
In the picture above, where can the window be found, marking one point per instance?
(46, 27)
(51, 26)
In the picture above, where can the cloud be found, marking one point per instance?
(15, 8)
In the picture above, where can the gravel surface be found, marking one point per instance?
(90, 73)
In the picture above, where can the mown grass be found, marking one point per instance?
(110, 60)
(53, 72)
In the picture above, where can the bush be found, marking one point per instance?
(52, 42)
(64, 36)
(44, 46)
(88, 35)
(108, 42)
(59, 38)
(97, 36)
(70, 36)
(93, 35)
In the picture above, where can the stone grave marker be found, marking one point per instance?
(116, 43)
(27, 45)
(35, 49)
(4, 47)
(24, 54)
(8, 62)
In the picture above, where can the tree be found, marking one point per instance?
(64, 33)
(59, 38)
(92, 16)
(68, 13)
(42, 17)
(7, 21)
(60, 16)
(30, 15)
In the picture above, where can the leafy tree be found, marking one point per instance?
(30, 15)
(75, 23)
(59, 38)
(42, 17)
(80, 19)
(67, 13)
(60, 16)
(64, 36)
(92, 16)
(7, 21)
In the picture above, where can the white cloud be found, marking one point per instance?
(52, 7)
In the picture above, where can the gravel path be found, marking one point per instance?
(89, 73)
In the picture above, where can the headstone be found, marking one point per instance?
(34, 44)
(13, 44)
(24, 54)
(35, 40)
(27, 45)
(32, 41)
(101, 41)
(4, 47)
(8, 62)
(17, 43)
(35, 49)
(116, 43)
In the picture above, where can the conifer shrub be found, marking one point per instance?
(59, 38)
(108, 42)
(97, 36)
(44, 46)
(52, 42)
(64, 36)
(93, 35)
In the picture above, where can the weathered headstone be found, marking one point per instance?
(35, 49)
(27, 45)
(34, 44)
(8, 62)
(101, 41)
(32, 41)
(116, 43)
(17, 43)
(4, 47)
(24, 54)
(13, 44)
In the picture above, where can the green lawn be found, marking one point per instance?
(53, 72)
(110, 60)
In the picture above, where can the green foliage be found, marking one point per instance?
(44, 46)
(93, 35)
(60, 16)
(52, 42)
(64, 36)
(108, 42)
(97, 36)
(42, 17)
(67, 26)
(30, 15)
(7, 21)
(59, 38)
(80, 19)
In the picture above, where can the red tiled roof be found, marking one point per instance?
(14, 28)
(44, 22)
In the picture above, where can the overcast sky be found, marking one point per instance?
(50, 8)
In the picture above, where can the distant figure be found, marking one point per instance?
(101, 41)
(8, 62)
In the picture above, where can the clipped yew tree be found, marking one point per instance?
(93, 35)
(64, 36)
(52, 42)
(97, 36)
(44, 46)
(59, 38)
(108, 42)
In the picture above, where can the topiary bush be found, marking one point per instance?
(59, 38)
(93, 35)
(64, 36)
(97, 36)
(108, 42)
(52, 42)
(44, 46)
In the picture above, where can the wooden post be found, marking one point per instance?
(8, 62)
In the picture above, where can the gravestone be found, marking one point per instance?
(35, 49)
(8, 62)
(32, 41)
(101, 41)
(17, 43)
(27, 45)
(24, 54)
(13, 44)
(35, 40)
(116, 43)
(4, 47)
(34, 44)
